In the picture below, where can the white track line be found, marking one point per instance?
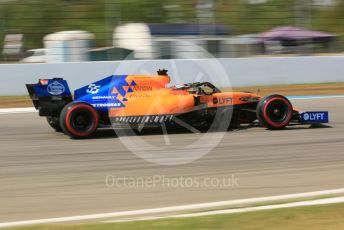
(173, 208)
(270, 207)
(17, 110)
(241, 210)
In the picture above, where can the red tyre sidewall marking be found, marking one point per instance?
(68, 116)
(272, 123)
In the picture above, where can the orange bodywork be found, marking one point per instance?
(151, 96)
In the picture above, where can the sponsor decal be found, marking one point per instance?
(215, 101)
(306, 116)
(122, 89)
(145, 119)
(138, 95)
(314, 117)
(142, 88)
(101, 105)
(222, 100)
(103, 97)
(225, 100)
(55, 88)
(93, 88)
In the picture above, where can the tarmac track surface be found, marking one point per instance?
(44, 174)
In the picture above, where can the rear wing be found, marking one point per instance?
(49, 96)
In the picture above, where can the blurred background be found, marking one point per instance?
(100, 30)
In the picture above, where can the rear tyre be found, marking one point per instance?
(79, 120)
(54, 123)
(274, 111)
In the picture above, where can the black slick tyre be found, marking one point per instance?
(79, 120)
(274, 111)
(54, 123)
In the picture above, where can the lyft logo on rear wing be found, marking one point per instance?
(314, 117)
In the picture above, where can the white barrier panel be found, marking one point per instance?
(241, 71)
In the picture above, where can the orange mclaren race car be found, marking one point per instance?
(134, 100)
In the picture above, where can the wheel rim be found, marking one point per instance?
(277, 111)
(82, 120)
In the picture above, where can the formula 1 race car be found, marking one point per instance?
(135, 100)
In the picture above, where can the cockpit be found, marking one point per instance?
(199, 88)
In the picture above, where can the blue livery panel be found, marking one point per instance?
(52, 87)
(314, 117)
(106, 93)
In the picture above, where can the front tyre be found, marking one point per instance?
(274, 111)
(79, 120)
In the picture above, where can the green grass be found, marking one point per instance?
(324, 217)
